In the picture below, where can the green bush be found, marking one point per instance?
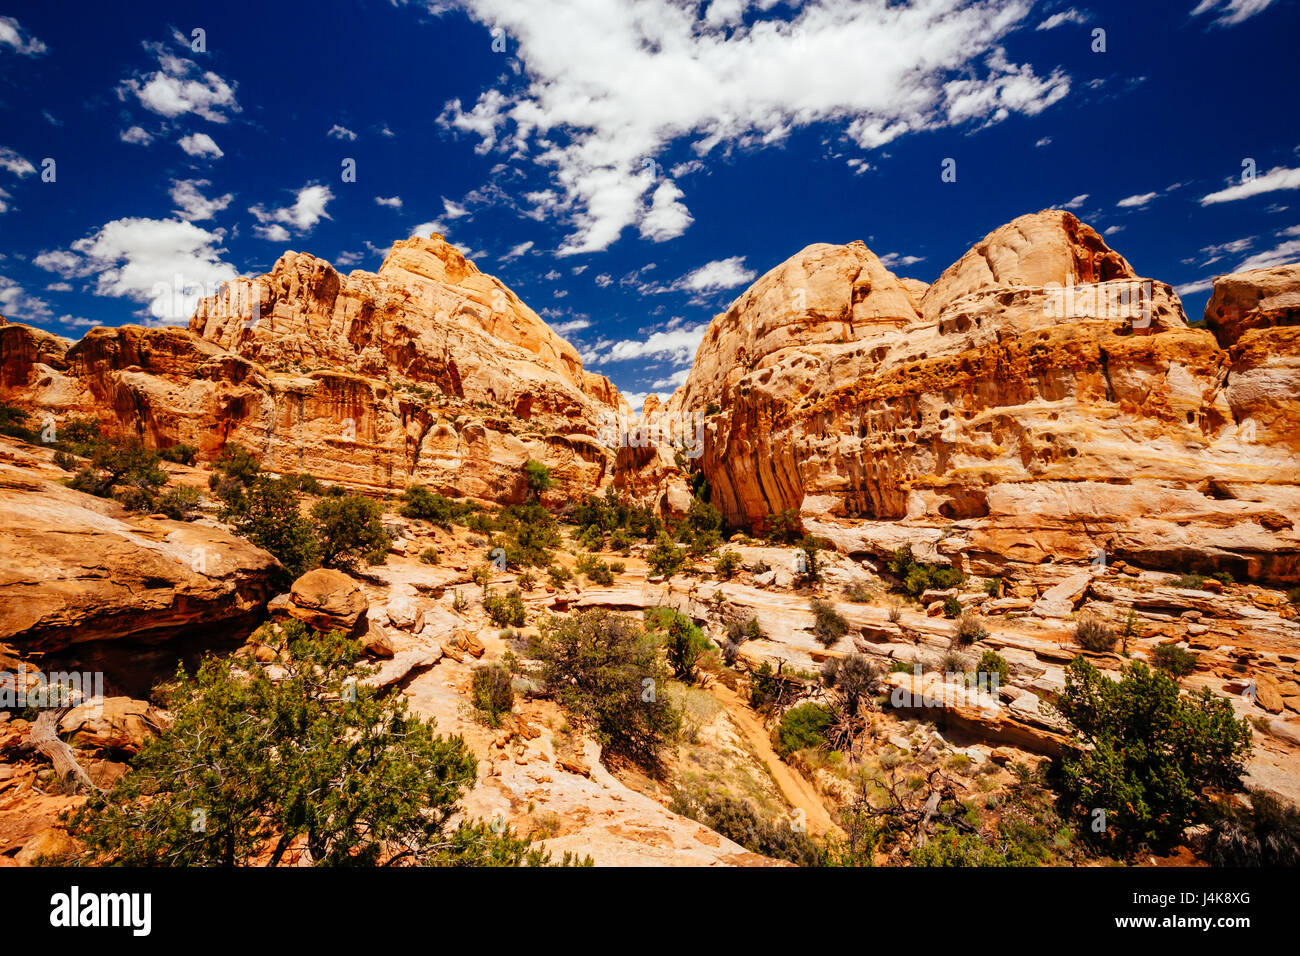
(180, 454)
(854, 679)
(918, 577)
(726, 564)
(13, 422)
(389, 796)
(738, 821)
(685, 642)
(803, 728)
(1147, 755)
(1264, 833)
(665, 558)
(1174, 660)
(1094, 634)
(538, 477)
(422, 504)
(429, 556)
(991, 663)
(558, 575)
(350, 529)
(491, 692)
(126, 471)
(267, 514)
(828, 624)
(505, 610)
(606, 670)
(179, 502)
(951, 606)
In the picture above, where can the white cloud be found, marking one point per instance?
(1111, 230)
(135, 135)
(1191, 288)
(180, 86)
(453, 210)
(1281, 254)
(15, 163)
(4, 197)
(716, 275)
(17, 304)
(1076, 202)
(675, 380)
(307, 210)
(426, 229)
(1274, 179)
(1136, 202)
(168, 263)
(604, 279)
(392, 202)
(573, 325)
(200, 144)
(59, 287)
(893, 260)
(858, 165)
(678, 345)
(634, 399)
(1231, 12)
(516, 251)
(667, 218)
(12, 35)
(655, 72)
(1045, 141)
(1065, 16)
(341, 132)
(192, 204)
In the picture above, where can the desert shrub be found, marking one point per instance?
(126, 471)
(558, 575)
(738, 821)
(948, 846)
(969, 628)
(683, 639)
(267, 514)
(1094, 634)
(993, 587)
(606, 671)
(854, 679)
(1293, 596)
(726, 564)
(991, 663)
(237, 466)
(828, 625)
(858, 593)
(1146, 754)
(594, 570)
(505, 609)
(350, 529)
(537, 477)
(803, 728)
(809, 569)
(951, 606)
(740, 630)
(65, 461)
(665, 558)
(389, 796)
(620, 541)
(180, 454)
(1174, 660)
(491, 692)
(459, 603)
(429, 556)
(179, 502)
(482, 576)
(13, 422)
(307, 484)
(617, 567)
(783, 527)
(1266, 832)
(422, 504)
(526, 580)
(895, 612)
(918, 577)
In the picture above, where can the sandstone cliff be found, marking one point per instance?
(428, 371)
(1041, 401)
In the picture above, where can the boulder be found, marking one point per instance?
(327, 600)
(113, 723)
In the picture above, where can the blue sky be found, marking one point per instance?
(628, 167)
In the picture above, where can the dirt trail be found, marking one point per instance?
(796, 789)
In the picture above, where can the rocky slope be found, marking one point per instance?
(428, 371)
(1039, 422)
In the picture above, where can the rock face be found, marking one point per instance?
(327, 600)
(1040, 401)
(428, 371)
(76, 569)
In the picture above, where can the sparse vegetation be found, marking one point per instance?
(803, 728)
(916, 577)
(1173, 660)
(683, 639)
(828, 624)
(969, 628)
(491, 692)
(1094, 634)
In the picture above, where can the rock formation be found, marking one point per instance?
(428, 371)
(1040, 401)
